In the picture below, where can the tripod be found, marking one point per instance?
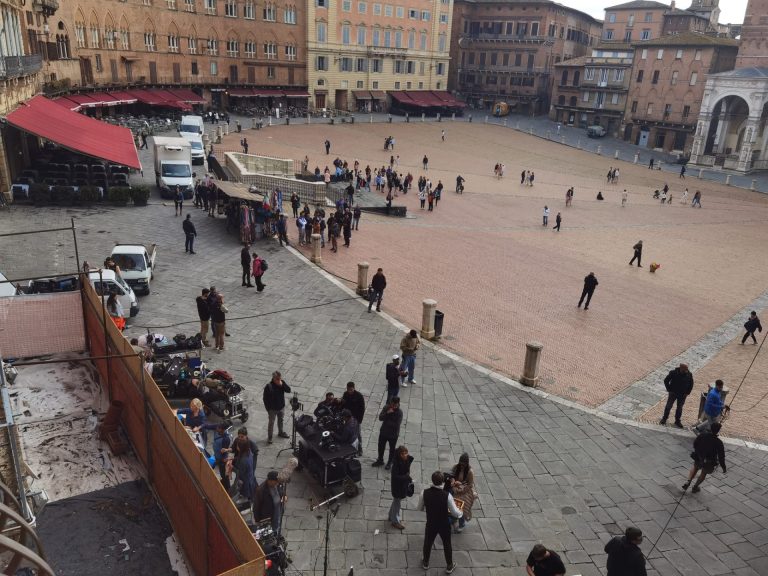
(295, 407)
(329, 515)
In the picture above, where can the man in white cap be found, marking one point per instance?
(393, 378)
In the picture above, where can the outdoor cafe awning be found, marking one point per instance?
(47, 119)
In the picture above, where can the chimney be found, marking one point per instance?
(672, 6)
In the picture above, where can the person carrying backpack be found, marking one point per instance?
(259, 267)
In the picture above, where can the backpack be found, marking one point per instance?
(264, 265)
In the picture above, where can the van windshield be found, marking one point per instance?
(177, 171)
(197, 145)
(193, 128)
(132, 262)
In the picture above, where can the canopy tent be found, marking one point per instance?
(147, 97)
(186, 95)
(361, 94)
(47, 119)
(241, 92)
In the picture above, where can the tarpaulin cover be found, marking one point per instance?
(46, 119)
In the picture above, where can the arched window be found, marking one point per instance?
(80, 29)
(576, 77)
(212, 44)
(150, 37)
(573, 100)
(173, 39)
(110, 35)
(192, 41)
(125, 35)
(564, 78)
(249, 47)
(233, 45)
(95, 33)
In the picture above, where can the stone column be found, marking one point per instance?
(428, 319)
(316, 250)
(700, 139)
(226, 129)
(745, 154)
(530, 375)
(599, 149)
(253, 123)
(637, 158)
(616, 154)
(362, 278)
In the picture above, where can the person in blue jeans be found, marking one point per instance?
(408, 346)
(713, 408)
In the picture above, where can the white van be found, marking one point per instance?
(198, 150)
(191, 126)
(109, 282)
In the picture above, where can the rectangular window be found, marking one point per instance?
(655, 77)
(192, 45)
(346, 34)
(412, 40)
(322, 3)
(440, 68)
(648, 17)
(321, 32)
(377, 65)
(270, 72)
(694, 78)
(618, 75)
(99, 66)
(631, 20)
(410, 67)
(443, 18)
(345, 64)
(398, 39)
(645, 34)
(359, 84)
(534, 28)
(482, 59)
(413, 14)
(232, 48)
(398, 66)
(361, 65)
(628, 36)
(679, 55)
(505, 59)
(397, 85)
(673, 80)
(230, 9)
(388, 10)
(522, 28)
(649, 109)
(423, 43)
(171, 4)
(321, 63)
(270, 51)
(686, 111)
(346, 5)
(644, 54)
(249, 11)
(612, 18)
(213, 47)
(425, 15)
(194, 70)
(361, 36)
(377, 9)
(615, 98)
(376, 37)
(639, 76)
(210, 7)
(214, 68)
(250, 49)
(362, 7)
(290, 52)
(697, 55)
(518, 59)
(494, 58)
(421, 68)
(387, 38)
(270, 13)
(586, 96)
(660, 54)
(375, 84)
(634, 106)
(400, 12)
(189, 5)
(667, 109)
(608, 34)
(589, 74)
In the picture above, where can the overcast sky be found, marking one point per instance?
(731, 11)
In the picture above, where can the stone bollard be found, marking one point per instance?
(548, 135)
(470, 118)
(422, 116)
(616, 154)
(253, 123)
(317, 257)
(226, 129)
(362, 278)
(370, 120)
(701, 172)
(562, 139)
(637, 158)
(428, 319)
(517, 125)
(530, 130)
(578, 144)
(206, 141)
(453, 117)
(407, 118)
(728, 180)
(219, 131)
(530, 375)
(505, 122)
(599, 149)
(270, 121)
(754, 184)
(438, 117)
(309, 118)
(486, 118)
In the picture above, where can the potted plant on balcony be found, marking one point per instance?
(140, 195)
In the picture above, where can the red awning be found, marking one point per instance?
(240, 92)
(406, 98)
(164, 94)
(123, 97)
(84, 100)
(183, 106)
(68, 104)
(186, 95)
(296, 93)
(47, 119)
(267, 92)
(146, 97)
(103, 99)
(448, 99)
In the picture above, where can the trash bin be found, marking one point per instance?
(439, 323)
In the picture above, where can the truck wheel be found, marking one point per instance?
(146, 291)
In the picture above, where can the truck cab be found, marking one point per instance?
(137, 264)
(109, 282)
(173, 166)
(191, 126)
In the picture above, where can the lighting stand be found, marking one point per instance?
(329, 515)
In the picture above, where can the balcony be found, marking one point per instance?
(606, 85)
(513, 38)
(17, 66)
(45, 7)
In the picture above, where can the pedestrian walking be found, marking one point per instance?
(204, 314)
(708, 451)
(258, 269)
(408, 347)
(244, 144)
(353, 401)
(638, 253)
(393, 375)
(190, 233)
(696, 199)
(522, 175)
(443, 135)
(590, 283)
(219, 317)
(245, 263)
(530, 177)
(713, 408)
(558, 221)
(295, 204)
(650, 163)
(391, 418)
(682, 171)
(178, 200)
(327, 147)
(282, 230)
(624, 197)
(684, 199)
(752, 324)
(624, 555)
(143, 140)
(569, 196)
(378, 283)
(274, 404)
(269, 501)
(679, 384)
(400, 483)
(356, 217)
(544, 562)
(425, 162)
(439, 505)
(545, 216)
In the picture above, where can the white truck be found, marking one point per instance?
(191, 126)
(173, 166)
(198, 149)
(137, 264)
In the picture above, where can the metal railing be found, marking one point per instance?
(16, 66)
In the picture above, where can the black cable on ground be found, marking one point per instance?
(754, 358)
(664, 529)
(231, 319)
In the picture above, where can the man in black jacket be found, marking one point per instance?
(268, 501)
(353, 401)
(393, 375)
(401, 478)
(439, 504)
(391, 418)
(679, 384)
(638, 253)
(590, 283)
(708, 451)
(204, 313)
(190, 234)
(274, 403)
(750, 326)
(624, 555)
(378, 283)
(245, 262)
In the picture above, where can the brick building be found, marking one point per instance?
(667, 86)
(208, 44)
(357, 49)
(506, 51)
(632, 21)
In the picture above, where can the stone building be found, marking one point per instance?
(506, 50)
(667, 84)
(632, 21)
(208, 44)
(357, 49)
(731, 130)
(19, 72)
